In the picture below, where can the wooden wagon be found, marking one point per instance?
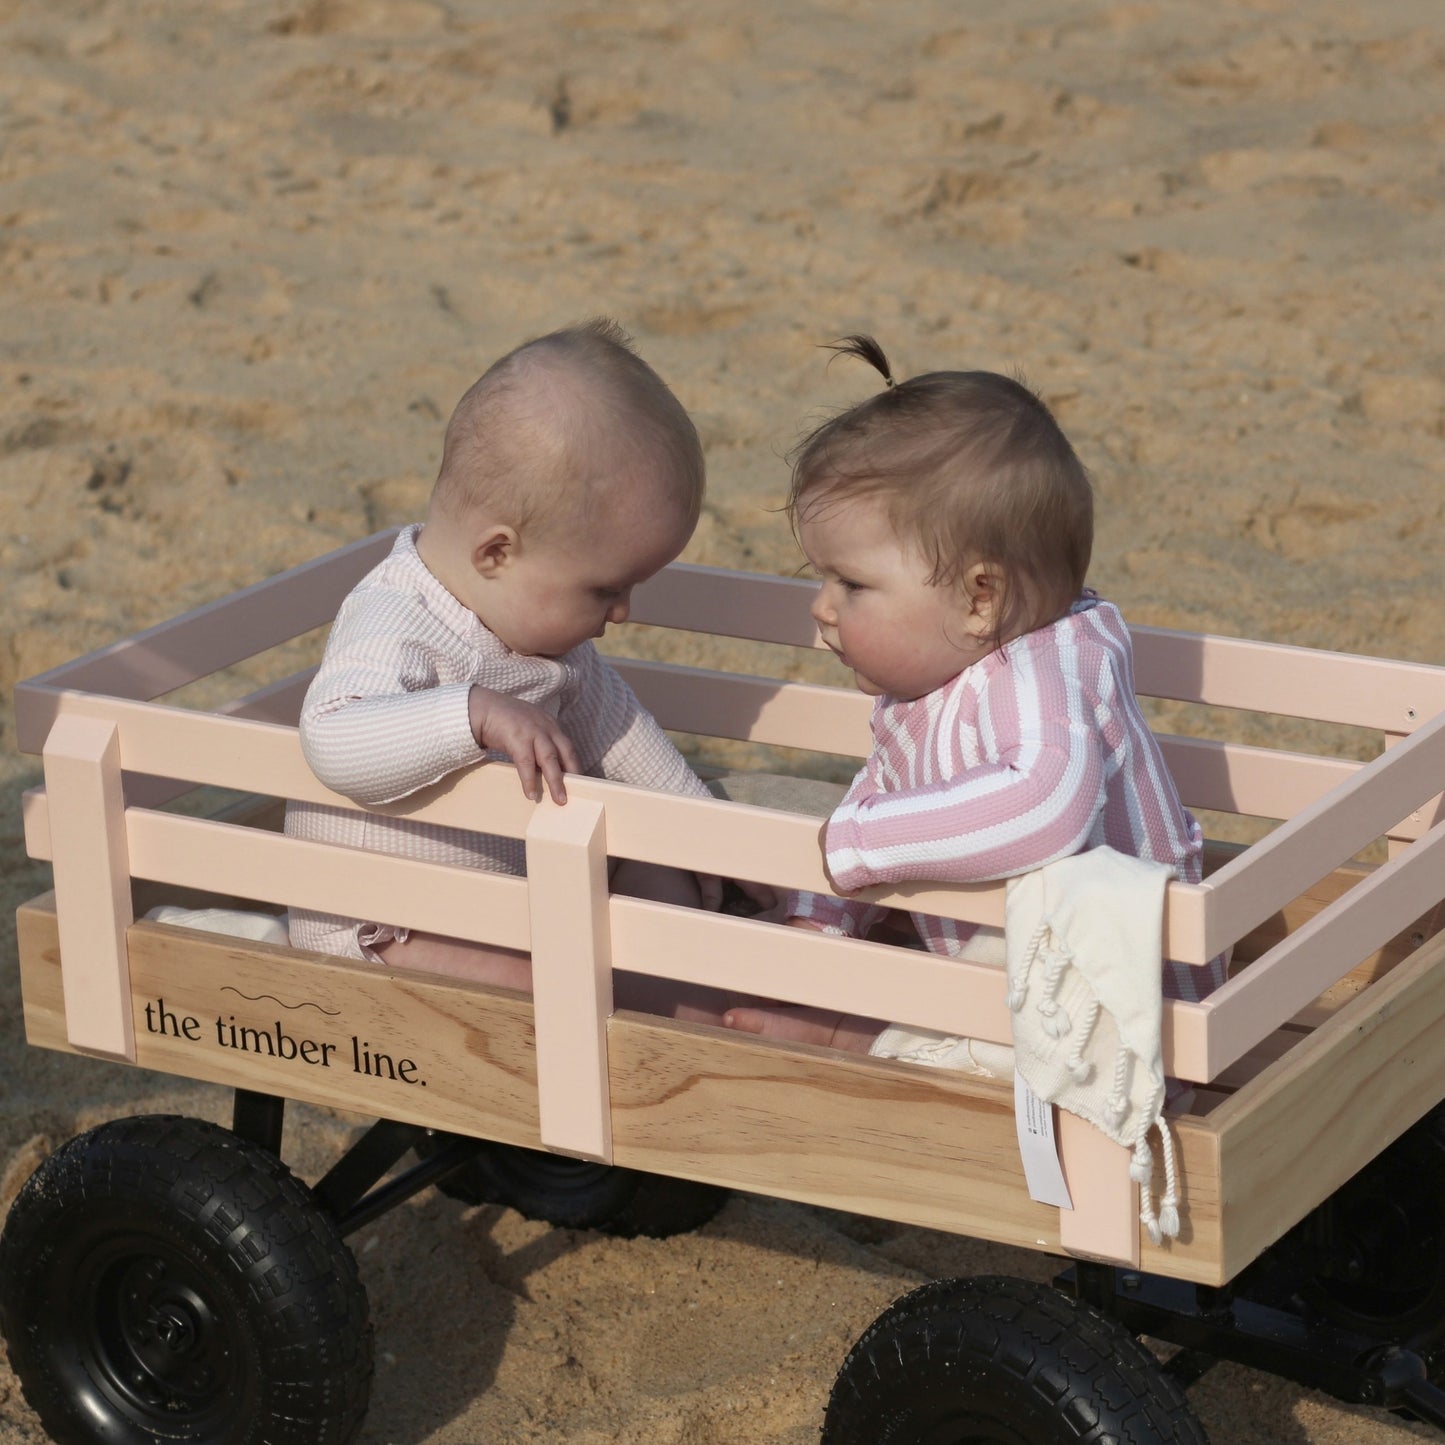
(1326, 1047)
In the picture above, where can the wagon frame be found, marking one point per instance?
(1328, 1046)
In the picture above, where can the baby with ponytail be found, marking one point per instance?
(950, 523)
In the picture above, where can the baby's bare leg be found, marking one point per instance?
(457, 958)
(655, 881)
(798, 1024)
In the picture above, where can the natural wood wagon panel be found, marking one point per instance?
(1305, 1125)
(381, 1043)
(920, 1146)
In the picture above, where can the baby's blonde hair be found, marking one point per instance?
(547, 431)
(971, 467)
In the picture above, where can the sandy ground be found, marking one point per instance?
(251, 251)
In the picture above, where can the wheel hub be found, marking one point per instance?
(157, 1337)
(174, 1328)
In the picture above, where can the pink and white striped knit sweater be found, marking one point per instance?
(1037, 752)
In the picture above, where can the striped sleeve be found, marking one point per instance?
(1034, 799)
(846, 916)
(616, 737)
(377, 722)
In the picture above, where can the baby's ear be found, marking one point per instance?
(983, 585)
(493, 549)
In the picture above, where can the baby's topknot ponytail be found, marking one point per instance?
(865, 348)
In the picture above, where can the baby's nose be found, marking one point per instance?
(821, 610)
(620, 610)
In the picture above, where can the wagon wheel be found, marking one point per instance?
(1389, 1224)
(577, 1194)
(163, 1280)
(997, 1361)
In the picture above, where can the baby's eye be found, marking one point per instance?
(848, 585)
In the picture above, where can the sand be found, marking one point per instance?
(251, 253)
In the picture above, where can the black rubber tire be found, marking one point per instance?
(163, 1280)
(576, 1194)
(997, 1361)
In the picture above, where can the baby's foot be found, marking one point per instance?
(799, 1025)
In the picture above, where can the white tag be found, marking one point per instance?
(1038, 1147)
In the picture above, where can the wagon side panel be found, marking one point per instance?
(352, 1036)
(895, 1141)
(1292, 1135)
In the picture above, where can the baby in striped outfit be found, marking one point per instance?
(951, 523)
(570, 473)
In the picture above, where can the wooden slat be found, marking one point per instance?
(798, 965)
(92, 882)
(1256, 782)
(756, 709)
(203, 641)
(571, 975)
(1334, 687)
(872, 979)
(752, 605)
(1422, 819)
(1319, 953)
(1251, 1065)
(456, 901)
(1103, 1223)
(260, 757)
(1209, 773)
(1299, 852)
(277, 702)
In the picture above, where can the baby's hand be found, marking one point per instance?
(529, 735)
(764, 898)
(751, 900)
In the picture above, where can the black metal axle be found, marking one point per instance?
(351, 1190)
(1221, 1324)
